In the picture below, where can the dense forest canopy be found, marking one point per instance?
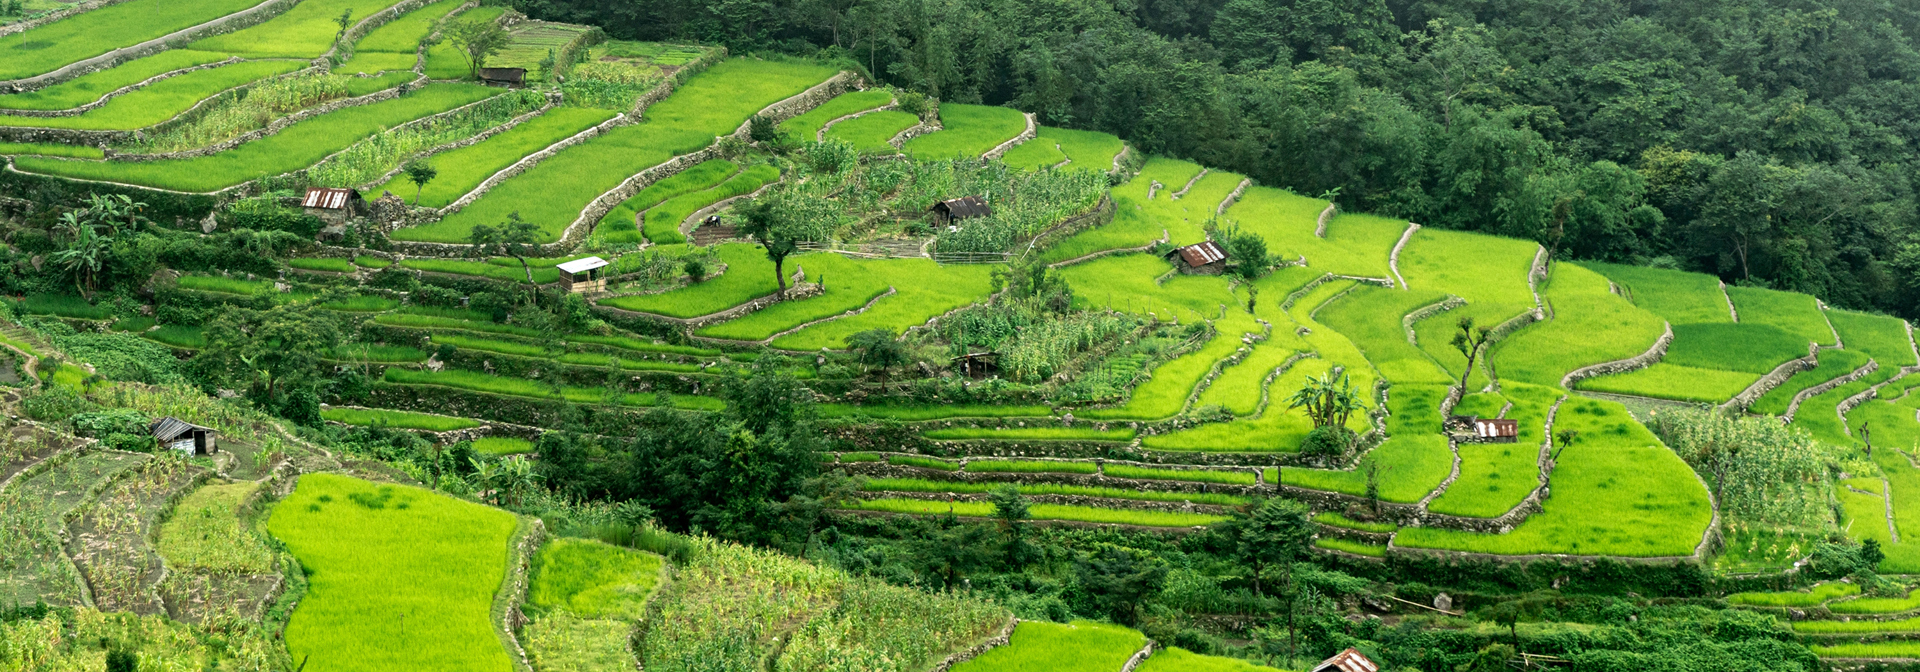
(1770, 142)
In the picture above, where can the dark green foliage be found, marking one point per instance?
(1117, 581)
(265, 213)
(54, 403)
(122, 660)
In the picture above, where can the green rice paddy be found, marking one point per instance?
(396, 419)
(90, 87)
(1798, 314)
(869, 133)
(620, 224)
(661, 223)
(1062, 512)
(967, 131)
(591, 579)
(1080, 646)
(1030, 489)
(807, 125)
(161, 100)
(305, 31)
(463, 169)
(89, 34)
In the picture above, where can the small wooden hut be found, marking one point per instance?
(978, 364)
(1496, 430)
(333, 206)
(583, 275)
(1206, 258)
(1350, 660)
(946, 212)
(512, 78)
(172, 433)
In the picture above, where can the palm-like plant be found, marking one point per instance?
(1329, 399)
(84, 255)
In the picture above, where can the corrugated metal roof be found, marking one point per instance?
(170, 428)
(1201, 254)
(1492, 427)
(1349, 660)
(327, 199)
(582, 265)
(966, 207)
(506, 74)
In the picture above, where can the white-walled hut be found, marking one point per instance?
(172, 433)
(947, 212)
(333, 206)
(1206, 258)
(583, 275)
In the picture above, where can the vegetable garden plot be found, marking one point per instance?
(305, 31)
(749, 276)
(1798, 314)
(33, 562)
(90, 87)
(1494, 477)
(298, 146)
(383, 554)
(1133, 225)
(531, 42)
(1679, 297)
(967, 131)
(1673, 381)
(463, 169)
(82, 36)
(620, 226)
(851, 284)
(806, 126)
(553, 194)
(1080, 646)
(1616, 491)
(1412, 462)
(870, 134)
(396, 419)
(662, 222)
(162, 100)
(923, 291)
(204, 532)
(1590, 325)
(1885, 338)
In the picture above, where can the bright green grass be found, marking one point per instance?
(1616, 491)
(1673, 381)
(383, 354)
(1591, 325)
(1089, 150)
(43, 149)
(1085, 514)
(396, 419)
(179, 336)
(637, 345)
(502, 445)
(490, 345)
(1176, 659)
(160, 101)
(1165, 394)
(1355, 244)
(1031, 467)
(1371, 316)
(1796, 313)
(64, 305)
(1796, 598)
(1494, 477)
(1854, 627)
(1139, 220)
(444, 60)
(553, 193)
(1034, 154)
(1479, 268)
(83, 36)
(433, 559)
(305, 31)
(806, 127)
(662, 222)
(1679, 297)
(375, 62)
(1351, 546)
(602, 360)
(332, 264)
(1082, 646)
(465, 168)
(1337, 520)
(912, 413)
(1125, 282)
(362, 303)
(1752, 348)
(591, 579)
(402, 35)
(1833, 364)
(1886, 649)
(365, 261)
(967, 131)
(516, 273)
(1863, 515)
(620, 223)
(1877, 605)
(1885, 338)
(299, 145)
(1029, 434)
(224, 285)
(1195, 475)
(924, 290)
(749, 276)
(869, 134)
(132, 324)
(519, 387)
(923, 462)
(90, 87)
(852, 283)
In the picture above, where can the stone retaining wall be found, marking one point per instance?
(513, 589)
(1817, 390)
(1393, 257)
(1189, 185)
(1233, 197)
(821, 135)
(1000, 150)
(1536, 273)
(914, 131)
(1000, 638)
(1138, 657)
(273, 127)
(1407, 322)
(110, 95)
(1773, 379)
(1731, 309)
(1640, 361)
(242, 19)
(1320, 228)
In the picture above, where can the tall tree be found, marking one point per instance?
(477, 40)
(776, 230)
(515, 238)
(419, 172)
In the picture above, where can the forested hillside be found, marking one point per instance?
(1769, 142)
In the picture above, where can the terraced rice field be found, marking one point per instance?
(967, 131)
(83, 36)
(460, 170)
(870, 133)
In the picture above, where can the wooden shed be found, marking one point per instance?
(978, 364)
(1206, 258)
(172, 433)
(1496, 430)
(1350, 660)
(946, 212)
(334, 206)
(583, 275)
(512, 78)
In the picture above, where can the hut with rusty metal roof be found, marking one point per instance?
(333, 206)
(1350, 660)
(1206, 258)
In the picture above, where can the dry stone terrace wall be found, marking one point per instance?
(110, 95)
(886, 470)
(56, 15)
(273, 127)
(1773, 379)
(1000, 638)
(1793, 407)
(1640, 361)
(252, 16)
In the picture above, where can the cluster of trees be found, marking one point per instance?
(1766, 141)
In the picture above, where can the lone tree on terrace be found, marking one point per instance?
(1470, 342)
(515, 238)
(776, 229)
(420, 173)
(477, 40)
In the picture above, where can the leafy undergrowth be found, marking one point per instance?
(1063, 512)
(1796, 598)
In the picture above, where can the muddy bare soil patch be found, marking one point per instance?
(109, 541)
